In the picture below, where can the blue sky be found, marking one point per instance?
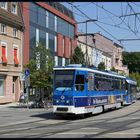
(108, 17)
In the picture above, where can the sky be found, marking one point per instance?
(109, 23)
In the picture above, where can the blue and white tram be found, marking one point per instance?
(80, 90)
(131, 91)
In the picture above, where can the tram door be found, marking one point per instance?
(80, 82)
(90, 86)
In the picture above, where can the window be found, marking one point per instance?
(63, 46)
(32, 40)
(66, 61)
(16, 61)
(52, 43)
(90, 81)
(63, 79)
(41, 17)
(51, 21)
(33, 12)
(79, 83)
(47, 19)
(4, 54)
(14, 81)
(103, 83)
(3, 5)
(14, 8)
(47, 40)
(15, 32)
(42, 37)
(3, 28)
(56, 60)
(37, 37)
(56, 23)
(55, 44)
(63, 61)
(1, 85)
(59, 61)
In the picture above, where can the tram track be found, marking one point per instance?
(21, 127)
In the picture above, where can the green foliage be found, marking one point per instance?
(101, 66)
(41, 77)
(132, 59)
(113, 69)
(135, 76)
(78, 57)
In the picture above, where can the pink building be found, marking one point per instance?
(115, 50)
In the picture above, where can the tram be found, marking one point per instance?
(131, 91)
(81, 90)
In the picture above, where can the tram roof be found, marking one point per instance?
(131, 81)
(90, 70)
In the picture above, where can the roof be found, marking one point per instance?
(58, 6)
(90, 70)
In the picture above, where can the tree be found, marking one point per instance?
(135, 76)
(132, 59)
(113, 69)
(101, 66)
(41, 67)
(78, 57)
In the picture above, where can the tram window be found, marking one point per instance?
(102, 84)
(79, 82)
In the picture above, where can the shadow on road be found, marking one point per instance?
(51, 115)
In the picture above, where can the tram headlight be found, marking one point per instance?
(67, 101)
(57, 101)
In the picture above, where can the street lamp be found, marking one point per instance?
(86, 21)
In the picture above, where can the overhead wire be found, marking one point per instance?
(95, 22)
(117, 17)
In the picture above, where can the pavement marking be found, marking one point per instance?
(24, 134)
(16, 129)
(91, 128)
(76, 133)
(124, 133)
(21, 122)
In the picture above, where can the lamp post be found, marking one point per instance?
(86, 21)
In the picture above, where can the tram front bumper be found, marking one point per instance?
(69, 109)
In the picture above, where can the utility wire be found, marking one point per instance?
(91, 19)
(117, 17)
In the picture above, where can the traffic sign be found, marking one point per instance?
(27, 81)
(27, 72)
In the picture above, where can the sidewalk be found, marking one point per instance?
(13, 114)
(10, 104)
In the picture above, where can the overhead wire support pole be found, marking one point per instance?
(86, 21)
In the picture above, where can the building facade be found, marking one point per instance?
(95, 55)
(114, 51)
(11, 42)
(53, 25)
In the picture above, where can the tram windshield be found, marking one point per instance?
(63, 80)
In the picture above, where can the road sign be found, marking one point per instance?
(27, 81)
(22, 77)
(27, 72)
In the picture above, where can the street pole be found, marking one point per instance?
(91, 20)
(86, 45)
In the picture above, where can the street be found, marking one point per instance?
(18, 122)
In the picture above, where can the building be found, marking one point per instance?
(118, 60)
(95, 55)
(11, 39)
(114, 50)
(106, 58)
(53, 25)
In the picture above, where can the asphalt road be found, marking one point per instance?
(18, 122)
